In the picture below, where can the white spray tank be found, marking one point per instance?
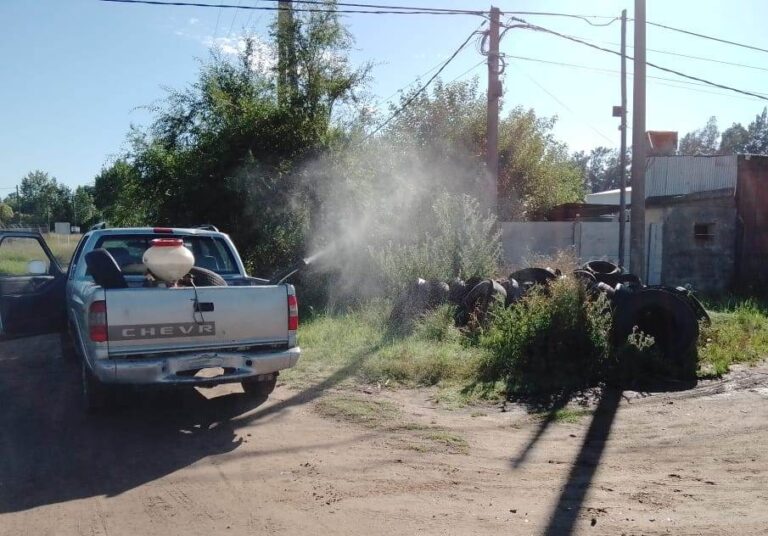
(168, 259)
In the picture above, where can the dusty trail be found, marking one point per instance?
(214, 462)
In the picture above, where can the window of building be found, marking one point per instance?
(704, 231)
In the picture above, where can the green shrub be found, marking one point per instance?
(553, 340)
(638, 359)
(459, 240)
(737, 336)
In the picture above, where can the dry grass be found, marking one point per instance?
(386, 416)
(16, 253)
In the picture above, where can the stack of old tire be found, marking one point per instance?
(670, 315)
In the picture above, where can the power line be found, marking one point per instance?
(389, 11)
(655, 66)
(585, 18)
(655, 79)
(561, 103)
(703, 36)
(611, 71)
(679, 54)
(380, 6)
(421, 90)
(234, 16)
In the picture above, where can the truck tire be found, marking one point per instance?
(206, 278)
(96, 396)
(260, 388)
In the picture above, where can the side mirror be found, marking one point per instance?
(37, 268)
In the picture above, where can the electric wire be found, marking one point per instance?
(704, 36)
(564, 105)
(678, 54)
(584, 18)
(655, 79)
(421, 90)
(234, 16)
(613, 71)
(384, 6)
(414, 11)
(654, 65)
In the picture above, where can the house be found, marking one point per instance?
(706, 218)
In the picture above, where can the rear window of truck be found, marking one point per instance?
(210, 252)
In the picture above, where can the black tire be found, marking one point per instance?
(585, 277)
(260, 388)
(479, 299)
(662, 314)
(630, 280)
(602, 267)
(513, 290)
(96, 396)
(203, 277)
(528, 277)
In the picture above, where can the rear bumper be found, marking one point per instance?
(179, 369)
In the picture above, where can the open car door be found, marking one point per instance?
(32, 286)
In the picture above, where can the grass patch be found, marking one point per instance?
(566, 415)
(368, 412)
(358, 343)
(386, 416)
(16, 253)
(450, 440)
(739, 335)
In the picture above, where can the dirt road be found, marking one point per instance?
(214, 462)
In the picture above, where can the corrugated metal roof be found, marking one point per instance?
(680, 175)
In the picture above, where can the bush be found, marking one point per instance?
(554, 339)
(736, 336)
(639, 359)
(458, 241)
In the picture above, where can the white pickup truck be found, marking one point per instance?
(228, 327)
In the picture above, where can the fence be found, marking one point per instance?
(586, 240)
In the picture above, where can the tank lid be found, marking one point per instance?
(167, 242)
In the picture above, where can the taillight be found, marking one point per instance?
(97, 321)
(162, 230)
(293, 313)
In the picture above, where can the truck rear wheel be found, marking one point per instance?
(95, 394)
(258, 388)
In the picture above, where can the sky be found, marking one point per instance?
(79, 73)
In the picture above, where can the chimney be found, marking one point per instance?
(661, 142)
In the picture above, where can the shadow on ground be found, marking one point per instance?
(51, 451)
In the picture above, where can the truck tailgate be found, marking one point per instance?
(154, 320)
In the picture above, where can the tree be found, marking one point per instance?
(84, 210)
(6, 213)
(601, 168)
(446, 127)
(703, 141)
(43, 199)
(757, 133)
(227, 151)
(734, 140)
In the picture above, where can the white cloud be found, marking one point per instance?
(193, 21)
(264, 55)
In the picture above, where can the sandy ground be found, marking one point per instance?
(215, 462)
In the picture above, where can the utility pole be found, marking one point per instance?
(623, 128)
(286, 53)
(494, 93)
(637, 221)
